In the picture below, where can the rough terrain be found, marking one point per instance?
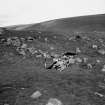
(38, 65)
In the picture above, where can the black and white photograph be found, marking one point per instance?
(52, 52)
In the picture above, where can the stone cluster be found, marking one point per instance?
(61, 61)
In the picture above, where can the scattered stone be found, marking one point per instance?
(89, 66)
(36, 94)
(39, 56)
(78, 60)
(46, 55)
(54, 55)
(99, 94)
(16, 42)
(101, 51)
(52, 48)
(100, 40)
(3, 41)
(103, 69)
(46, 39)
(94, 46)
(98, 61)
(55, 37)
(101, 85)
(21, 51)
(6, 104)
(22, 39)
(85, 60)
(78, 50)
(24, 46)
(54, 101)
(32, 50)
(71, 38)
(9, 41)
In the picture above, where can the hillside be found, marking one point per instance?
(68, 25)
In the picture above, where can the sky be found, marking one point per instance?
(14, 12)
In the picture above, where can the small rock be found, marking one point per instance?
(89, 66)
(79, 60)
(98, 61)
(46, 39)
(9, 41)
(54, 101)
(99, 94)
(101, 51)
(94, 46)
(6, 104)
(36, 94)
(78, 50)
(103, 69)
(24, 45)
(32, 50)
(85, 60)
